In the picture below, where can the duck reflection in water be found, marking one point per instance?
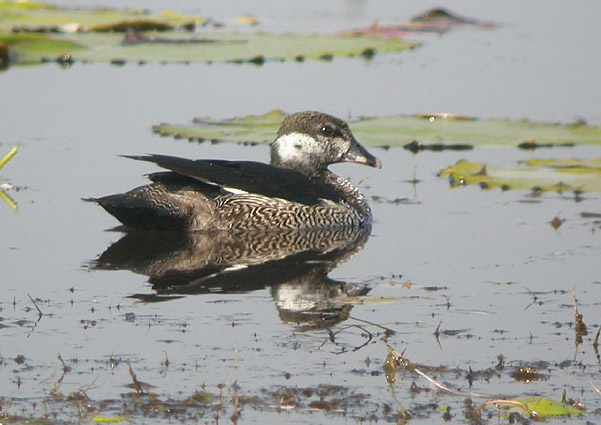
(294, 264)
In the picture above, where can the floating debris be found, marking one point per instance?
(434, 21)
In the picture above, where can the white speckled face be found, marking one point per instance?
(296, 148)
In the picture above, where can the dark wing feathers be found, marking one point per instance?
(248, 176)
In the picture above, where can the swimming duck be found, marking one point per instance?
(297, 191)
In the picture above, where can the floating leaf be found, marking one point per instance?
(33, 48)
(252, 128)
(100, 32)
(439, 130)
(31, 16)
(210, 47)
(107, 420)
(547, 175)
(539, 407)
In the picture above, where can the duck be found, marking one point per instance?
(296, 191)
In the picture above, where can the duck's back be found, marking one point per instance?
(218, 195)
(297, 191)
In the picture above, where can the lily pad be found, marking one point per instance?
(211, 47)
(96, 35)
(29, 49)
(252, 128)
(440, 130)
(30, 16)
(541, 175)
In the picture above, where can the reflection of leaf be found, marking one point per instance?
(11, 203)
(547, 175)
(394, 131)
(572, 165)
(362, 300)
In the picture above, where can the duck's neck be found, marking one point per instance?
(348, 192)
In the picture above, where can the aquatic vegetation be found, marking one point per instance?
(3, 195)
(537, 175)
(31, 16)
(231, 47)
(418, 132)
(535, 407)
(8, 156)
(40, 32)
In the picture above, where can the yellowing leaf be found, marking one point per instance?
(548, 175)
(107, 420)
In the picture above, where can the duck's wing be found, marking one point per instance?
(248, 176)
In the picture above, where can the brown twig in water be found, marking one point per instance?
(534, 299)
(516, 403)
(596, 345)
(406, 363)
(580, 327)
(66, 369)
(384, 328)
(236, 414)
(332, 338)
(437, 335)
(40, 314)
(136, 383)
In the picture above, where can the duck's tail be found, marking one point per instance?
(142, 212)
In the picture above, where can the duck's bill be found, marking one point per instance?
(360, 155)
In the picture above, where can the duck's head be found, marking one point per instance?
(310, 141)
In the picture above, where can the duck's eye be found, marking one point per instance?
(327, 130)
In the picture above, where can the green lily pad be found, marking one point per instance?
(186, 47)
(96, 35)
(252, 128)
(541, 407)
(541, 175)
(33, 48)
(30, 16)
(398, 130)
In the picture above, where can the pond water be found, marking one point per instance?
(485, 268)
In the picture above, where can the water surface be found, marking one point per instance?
(485, 266)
